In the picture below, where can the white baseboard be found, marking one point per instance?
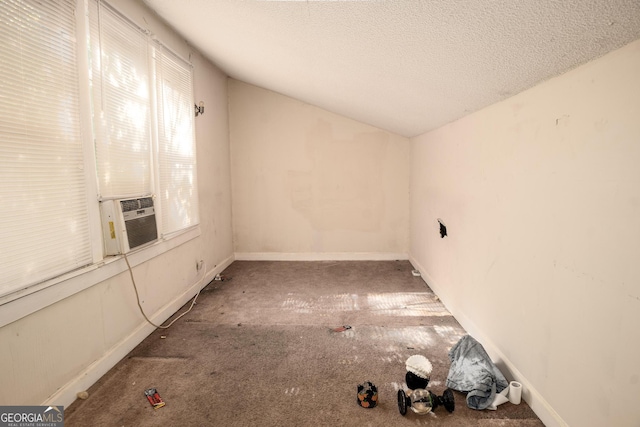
(534, 399)
(320, 256)
(67, 393)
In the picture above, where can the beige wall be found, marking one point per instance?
(541, 198)
(540, 193)
(52, 354)
(309, 184)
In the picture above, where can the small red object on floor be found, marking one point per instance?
(154, 398)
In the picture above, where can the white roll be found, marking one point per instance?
(515, 392)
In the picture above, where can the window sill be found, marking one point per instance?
(22, 303)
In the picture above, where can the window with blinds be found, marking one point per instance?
(44, 225)
(121, 103)
(178, 194)
(142, 117)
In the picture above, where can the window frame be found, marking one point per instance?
(21, 302)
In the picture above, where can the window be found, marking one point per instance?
(176, 143)
(44, 225)
(141, 139)
(121, 104)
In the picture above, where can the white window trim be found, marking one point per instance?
(86, 127)
(20, 303)
(24, 302)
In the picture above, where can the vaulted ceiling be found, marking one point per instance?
(407, 66)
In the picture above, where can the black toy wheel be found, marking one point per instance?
(402, 402)
(448, 400)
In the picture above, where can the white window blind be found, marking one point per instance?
(43, 212)
(178, 193)
(121, 103)
(143, 140)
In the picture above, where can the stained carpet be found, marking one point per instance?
(259, 349)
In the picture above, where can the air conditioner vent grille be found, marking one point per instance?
(146, 202)
(129, 205)
(141, 230)
(135, 204)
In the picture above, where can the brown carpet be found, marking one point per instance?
(259, 350)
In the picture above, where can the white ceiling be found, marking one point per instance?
(407, 66)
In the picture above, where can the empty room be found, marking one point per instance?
(310, 212)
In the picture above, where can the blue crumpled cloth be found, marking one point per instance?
(473, 372)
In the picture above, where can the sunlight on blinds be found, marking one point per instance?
(176, 142)
(120, 90)
(43, 213)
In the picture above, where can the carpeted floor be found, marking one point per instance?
(258, 349)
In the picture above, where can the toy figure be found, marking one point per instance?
(367, 395)
(418, 398)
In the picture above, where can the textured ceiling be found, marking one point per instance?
(407, 66)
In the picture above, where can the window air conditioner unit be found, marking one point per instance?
(127, 224)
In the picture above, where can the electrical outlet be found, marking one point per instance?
(199, 265)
